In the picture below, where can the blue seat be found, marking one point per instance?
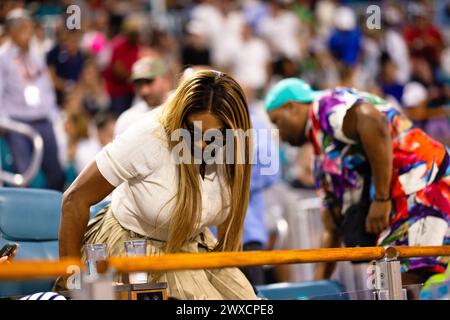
(97, 207)
(29, 217)
(311, 290)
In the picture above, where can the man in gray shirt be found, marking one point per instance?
(27, 95)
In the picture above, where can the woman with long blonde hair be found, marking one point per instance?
(171, 198)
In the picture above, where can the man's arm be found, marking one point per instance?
(58, 82)
(364, 123)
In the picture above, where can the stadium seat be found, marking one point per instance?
(29, 217)
(311, 290)
(97, 207)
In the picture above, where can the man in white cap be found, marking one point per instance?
(151, 85)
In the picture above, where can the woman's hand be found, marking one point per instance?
(378, 217)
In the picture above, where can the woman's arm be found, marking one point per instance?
(369, 126)
(89, 188)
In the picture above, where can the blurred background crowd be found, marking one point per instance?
(405, 59)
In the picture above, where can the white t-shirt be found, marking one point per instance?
(131, 116)
(140, 164)
(86, 151)
(226, 38)
(398, 50)
(250, 63)
(282, 33)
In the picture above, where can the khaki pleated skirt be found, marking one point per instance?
(216, 284)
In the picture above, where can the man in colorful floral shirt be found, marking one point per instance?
(409, 173)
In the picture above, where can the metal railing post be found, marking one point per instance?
(388, 278)
(23, 179)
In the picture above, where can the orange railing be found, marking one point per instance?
(182, 261)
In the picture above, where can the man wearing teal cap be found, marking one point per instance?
(383, 181)
(289, 102)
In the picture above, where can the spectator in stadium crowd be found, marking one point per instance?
(91, 88)
(41, 43)
(95, 40)
(367, 152)
(206, 21)
(195, 50)
(395, 45)
(251, 61)
(151, 84)
(27, 96)
(125, 52)
(65, 62)
(227, 36)
(76, 128)
(139, 168)
(100, 136)
(325, 13)
(422, 37)
(392, 89)
(434, 121)
(345, 40)
(281, 29)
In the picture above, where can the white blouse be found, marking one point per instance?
(140, 164)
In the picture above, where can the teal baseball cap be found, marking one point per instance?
(290, 89)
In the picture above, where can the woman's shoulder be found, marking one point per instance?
(145, 139)
(139, 150)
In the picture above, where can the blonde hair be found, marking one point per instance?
(215, 92)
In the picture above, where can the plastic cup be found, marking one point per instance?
(136, 248)
(94, 252)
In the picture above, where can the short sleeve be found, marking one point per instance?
(332, 111)
(133, 154)
(336, 120)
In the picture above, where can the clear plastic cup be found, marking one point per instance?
(136, 248)
(94, 252)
